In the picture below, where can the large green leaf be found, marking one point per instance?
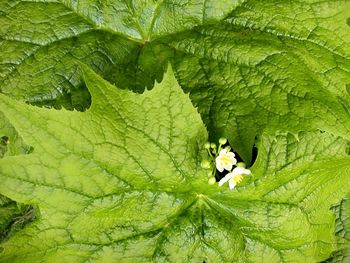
(270, 65)
(40, 41)
(121, 182)
(248, 65)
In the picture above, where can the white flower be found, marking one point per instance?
(234, 177)
(225, 160)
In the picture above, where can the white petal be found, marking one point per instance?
(219, 165)
(232, 184)
(225, 179)
(246, 171)
(227, 166)
(240, 170)
(234, 160)
(231, 155)
(222, 152)
(236, 171)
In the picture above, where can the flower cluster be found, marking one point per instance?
(224, 161)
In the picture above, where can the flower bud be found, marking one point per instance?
(241, 164)
(207, 145)
(222, 141)
(213, 145)
(205, 164)
(211, 180)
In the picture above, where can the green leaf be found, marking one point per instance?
(249, 65)
(245, 81)
(342, 211)
(41, 40)
(13, 217)
(8, 210)
(341, 256)
(122, 182)
(11, 143)
(270, 65)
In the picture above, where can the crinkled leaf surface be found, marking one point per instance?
(41, 39)
(10, 141)
(13, 217)
(249, 65)
(342, 211)
(122, 182)
(8, 210)
(270, 65)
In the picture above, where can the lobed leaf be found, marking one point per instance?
(122, 182)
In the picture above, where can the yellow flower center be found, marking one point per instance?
(238, 178)
(225, 159)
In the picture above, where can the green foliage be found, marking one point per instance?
(342, 211)
(13, 217)
(271, 74)
(266, 67)
(91, 184)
